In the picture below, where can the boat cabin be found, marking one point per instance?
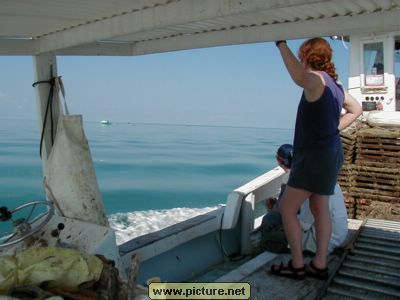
(374, 70)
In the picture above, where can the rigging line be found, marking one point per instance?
(45, 120)
(51, 112)
(49, 105)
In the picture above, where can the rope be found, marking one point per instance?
(49, 106)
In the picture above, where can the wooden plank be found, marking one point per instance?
(366, 191)
(377, 197)
(379, 132)
(378, 164)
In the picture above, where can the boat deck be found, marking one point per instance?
(366, 269)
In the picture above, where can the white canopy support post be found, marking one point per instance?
(45, 68)
(69, 175)
(247, 223)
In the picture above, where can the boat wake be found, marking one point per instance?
(133, 224)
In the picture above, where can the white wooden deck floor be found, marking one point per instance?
(267, 286)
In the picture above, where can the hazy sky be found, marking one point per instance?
(243, 85)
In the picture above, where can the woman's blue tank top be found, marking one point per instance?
(317, 122)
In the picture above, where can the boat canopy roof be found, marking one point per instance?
(127, 27)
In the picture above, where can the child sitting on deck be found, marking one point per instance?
(272, 233)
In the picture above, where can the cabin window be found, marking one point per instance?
(373, 63)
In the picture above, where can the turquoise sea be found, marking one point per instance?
(149, 174)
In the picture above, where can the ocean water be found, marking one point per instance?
(150, 175)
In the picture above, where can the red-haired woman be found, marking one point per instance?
(318, 153)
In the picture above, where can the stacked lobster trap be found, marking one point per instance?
(370, 176)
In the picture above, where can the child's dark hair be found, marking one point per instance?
(285, 152)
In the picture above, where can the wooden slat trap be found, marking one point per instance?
(346, 182)
(376, 145)
(349, 147)
(377, 209)
(349, 139)
(350, 203)
(345, 177)
(371, 182)
(376, 181)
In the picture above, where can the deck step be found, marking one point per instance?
(378, 241)
(370, 277)
(388, 250)
(368, 287)
(371, 269)
(346, 293)
(368, 260)
(377, 254)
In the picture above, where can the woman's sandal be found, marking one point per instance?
(315, 272)
(288, 271)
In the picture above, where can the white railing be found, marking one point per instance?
(242, 201)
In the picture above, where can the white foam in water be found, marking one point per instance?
(133, 224)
